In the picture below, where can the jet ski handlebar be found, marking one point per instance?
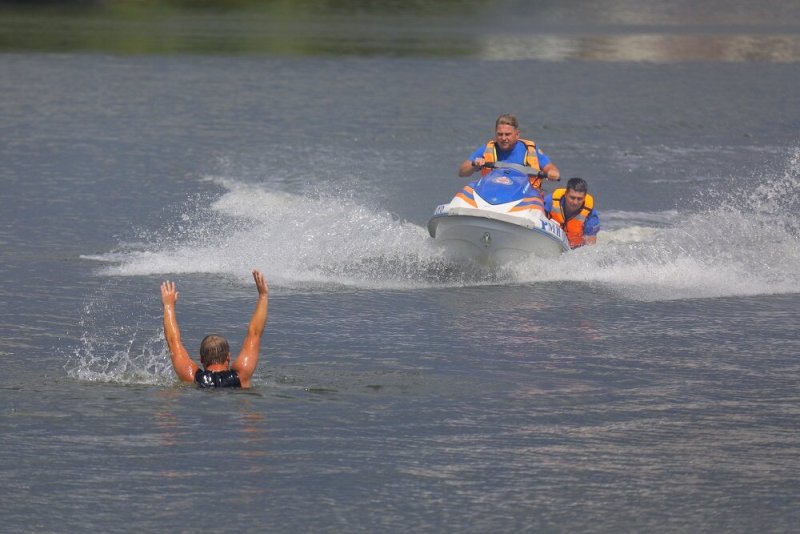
(515, 166)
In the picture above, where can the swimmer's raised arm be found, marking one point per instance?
(247, 360)
(184, 367)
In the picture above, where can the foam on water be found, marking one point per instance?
(115, 346)
(744, 240)
(741, 241)
(300, 240)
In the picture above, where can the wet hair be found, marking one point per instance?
(577, 184)
(214, 349)
(507, 118)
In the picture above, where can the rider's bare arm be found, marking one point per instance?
(469, 166)
(552, 172)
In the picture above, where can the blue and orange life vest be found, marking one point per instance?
(574, 225)
(531, 159)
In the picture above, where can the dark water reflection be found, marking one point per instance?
(484, 29)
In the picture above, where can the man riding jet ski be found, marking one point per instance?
(508, 147)
(504, 215)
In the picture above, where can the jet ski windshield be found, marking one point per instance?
(504, 184)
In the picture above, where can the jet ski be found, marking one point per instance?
(498, 219)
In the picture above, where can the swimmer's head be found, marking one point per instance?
(214, 349)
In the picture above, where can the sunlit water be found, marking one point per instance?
(648, 383)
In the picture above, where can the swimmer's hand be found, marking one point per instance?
(169, 293)
(261, 283)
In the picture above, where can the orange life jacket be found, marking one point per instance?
(531, 159)
(574, 225)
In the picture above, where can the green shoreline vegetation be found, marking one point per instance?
(399, 28)
(291, 27)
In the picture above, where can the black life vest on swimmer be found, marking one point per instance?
(217, 379)
(574, 225)
(531, 159)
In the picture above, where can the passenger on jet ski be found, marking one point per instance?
(508, 147)
(572, 208)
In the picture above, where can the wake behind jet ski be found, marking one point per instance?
(497, 219)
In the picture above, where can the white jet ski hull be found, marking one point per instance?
(492, 237)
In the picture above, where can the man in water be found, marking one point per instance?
(217, 371)
(573, 208)
(507, 146)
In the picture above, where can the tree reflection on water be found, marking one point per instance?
(601, 30)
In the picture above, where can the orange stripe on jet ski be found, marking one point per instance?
(468, 200)
(467, 195)
(526, 208)
(529, 204)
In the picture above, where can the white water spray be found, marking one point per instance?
(742, 241)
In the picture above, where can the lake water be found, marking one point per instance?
(647, 384)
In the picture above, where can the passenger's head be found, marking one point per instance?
(575, 194)
(506, 131)
(214, 349)
(577, 184)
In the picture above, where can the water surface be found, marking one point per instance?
(645, 384)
